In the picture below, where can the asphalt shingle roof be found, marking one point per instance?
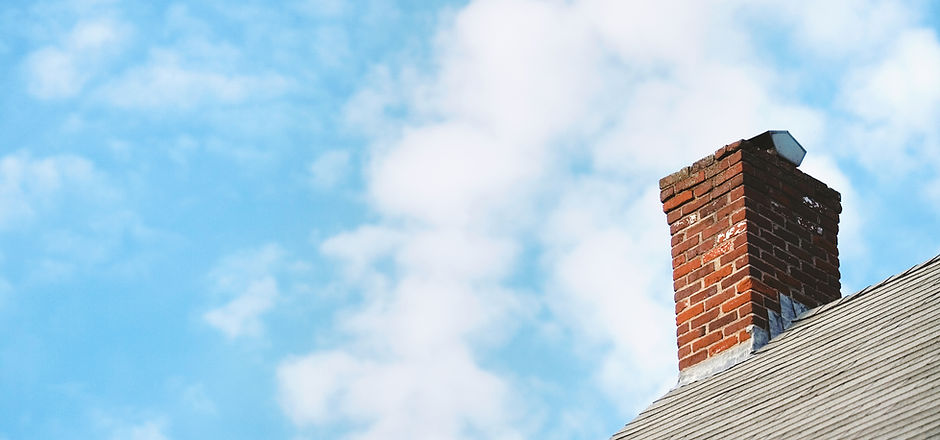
(864, 366)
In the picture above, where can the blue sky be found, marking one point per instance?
(408, 220)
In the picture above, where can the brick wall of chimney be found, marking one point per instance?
(746, 226)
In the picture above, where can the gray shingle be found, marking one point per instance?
(864, 366)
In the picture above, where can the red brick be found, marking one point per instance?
(750, 283)
(699, 226)
(672, 216)
(730, 280)
(690, 336)
(717, 275)
(737, 204)
(681, 305)
(701, 272)
(686, 268)
(691, 181)
(722, 321)
(667, 192)
(692, 359)
(704, 318)
(679, 284)
(677, 200)
(705, 341)
(736, 326)
(687, 292)
(690, 207)
(682, 329)
(685, 245)
(735, 302)
(723, 345)
(676, 262)
(690, 313)
(716, 300)
(703, 189)
(732, 255)
(701, 295)
(704, 246)
(718, 251)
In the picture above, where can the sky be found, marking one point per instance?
(408, 220)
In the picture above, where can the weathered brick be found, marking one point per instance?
(690, 313)
(726, 285)
(704, 318)
(667, 192)
(677, 200)
(705, 341)
(736, 326)
(721, 321)
(692, 359)
(730, 280)
(690, 336)
(701, 295)
(735, 302)
(717, 275)
(723, 345)
(687, 292)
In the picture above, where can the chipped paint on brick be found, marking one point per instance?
(724, 241)
(810, 226)
(718, 251)
(810, 202)
(738, 228)
(688, 221)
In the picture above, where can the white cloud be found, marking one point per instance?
(242, 315)
(53, 74)
(608, 266)
(72, 217)
(30, 187)
(896, 100)
(166, 81)
(477, 176)
(453, 398)
(62, 70)
(248, 280)
(198, 399)
(841, 29)
(148, 430)
(330, 168)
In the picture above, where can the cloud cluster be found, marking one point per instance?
(480, 173)
(61, 70)
(247, 281)
(31, 186)
(37, 193)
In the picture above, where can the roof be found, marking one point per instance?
(864, 366)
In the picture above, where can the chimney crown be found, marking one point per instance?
(753, 245)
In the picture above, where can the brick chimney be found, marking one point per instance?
(753, 246)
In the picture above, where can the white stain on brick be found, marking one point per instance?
(738, 228)
(688, 221)
(810, 226)
(810, 202)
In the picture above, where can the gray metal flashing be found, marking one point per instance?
(720, 362)
(864, 366)
(790, 311)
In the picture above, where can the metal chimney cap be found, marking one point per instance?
(783, 143)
